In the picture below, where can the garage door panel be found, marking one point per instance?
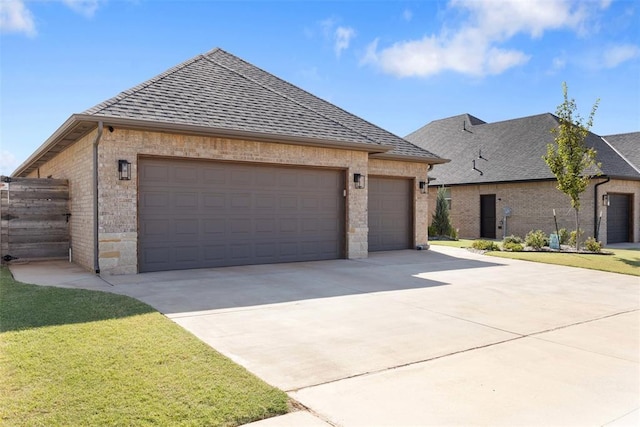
(155, 173)
(213, 176)
(186, 201)
(214, 253)
(189, 253)
(185, 174)
(287, 202)
(237, 214)
(390, 214)
(213, 200)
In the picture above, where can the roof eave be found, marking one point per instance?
(409, 158)
(159, 126)
(68, 133)
(78, 125)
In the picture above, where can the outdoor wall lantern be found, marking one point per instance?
(423, 187)
(605, 200)
(358, 180)
(124, 170)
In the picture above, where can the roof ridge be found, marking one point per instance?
(137, 88)
(307, 107)
(622, 156)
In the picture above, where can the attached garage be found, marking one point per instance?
(390, 214)
(199, 214)
(619, 218)
(216, 162)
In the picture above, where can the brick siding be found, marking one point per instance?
(118, 217)
(532, 205)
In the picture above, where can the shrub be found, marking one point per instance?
(440, 221)
(572, 238)
(536, 239)
(593, 245)
(512, 247)
(564, 236)
(432, 231)
(512, 239)
(485, 245)
(454, 233)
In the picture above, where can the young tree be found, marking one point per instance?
(440, 221)
(568, 157)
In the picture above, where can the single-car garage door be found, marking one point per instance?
(618, 218)
(390, 214)
(198, 214)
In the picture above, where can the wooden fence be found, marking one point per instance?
(34, 218)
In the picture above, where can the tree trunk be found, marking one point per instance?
(577, 229)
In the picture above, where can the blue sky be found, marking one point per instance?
(398, 64)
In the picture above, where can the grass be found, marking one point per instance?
(73, 357)
(624, 261)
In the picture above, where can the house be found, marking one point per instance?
(216, 162)
(498, 183)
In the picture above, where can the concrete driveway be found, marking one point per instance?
(438, 337)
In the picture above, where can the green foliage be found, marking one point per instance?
(432, 231)
(568, 157)
(564, 236)
(512, 246)
(572, 237)
(441, 222)
(454, 233)
(536, 239)
(485, 245)
(622, 261)
(72, 357)
(593, 245)
(512, 239)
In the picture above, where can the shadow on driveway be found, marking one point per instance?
(245, 286)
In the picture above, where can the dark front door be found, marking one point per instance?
(488, 216)
(618, 218)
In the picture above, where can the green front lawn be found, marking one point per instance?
(624, 261)
(75, 358)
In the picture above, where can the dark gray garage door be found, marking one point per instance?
(196, 214)
(390, 214)
(618, 218)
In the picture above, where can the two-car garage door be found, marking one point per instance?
(197, 214)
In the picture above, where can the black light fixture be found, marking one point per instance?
(358, 180)
(605, 200)
(423, 187)
(124, 170)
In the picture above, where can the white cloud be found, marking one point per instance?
(476, 46)
(407, 15)
(16, 18)
(339, 36)
(616, 55)
(343, 36)
(84, 7)
(8, 163)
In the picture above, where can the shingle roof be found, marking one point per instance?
(219, 90)
(510, 150)
(628, 145)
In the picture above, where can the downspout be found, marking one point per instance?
(96, 222)
(596, 225)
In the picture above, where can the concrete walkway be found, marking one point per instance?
(438, 337)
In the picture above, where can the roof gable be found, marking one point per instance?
(504, 151)
(219, 90)
(627, 145)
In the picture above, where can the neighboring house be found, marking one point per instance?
(498, 183)
(216, 162)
